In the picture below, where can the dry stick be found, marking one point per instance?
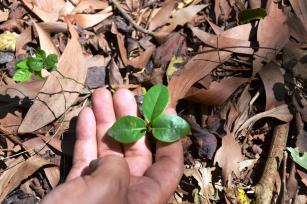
(264, 188)
(124, 13)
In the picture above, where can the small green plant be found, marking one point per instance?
(34, 64)
(249, 15)
(300, 160)
(165, 128)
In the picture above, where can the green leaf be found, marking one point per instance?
(50, 62)
(35, 64)
(22, 75)
(22, 64)
(300, 160)
(40, 54)
(38, 75)
(249, 15)
(155, 102)
(128, 129)
(169, 128)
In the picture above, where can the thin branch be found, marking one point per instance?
(125, 14)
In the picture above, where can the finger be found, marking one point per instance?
(108, 183)
(85, 149)
(138, 155)
(105, 117)
(168, 168)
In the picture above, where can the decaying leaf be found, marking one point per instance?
(18, 171)
(90, 4)
(8, 41)
(162, 15)
(61, 88)
(89, 20)
(229, 156)
(280, 112)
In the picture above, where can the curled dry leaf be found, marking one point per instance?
(61, 88)
(227, 43)
(229, 156)
(217, 93)
(197, 68)
(89, 20)
(162, 15)
(274, 86)
(137, 62)
(280, 112)
(273, 34)
(45, 41)
(180, 17)
(47, 10)
(18, 171)
(90, 4)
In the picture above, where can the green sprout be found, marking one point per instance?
(165, 128)
(34, 64)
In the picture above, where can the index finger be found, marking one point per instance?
(168, 168)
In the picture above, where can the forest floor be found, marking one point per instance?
(235, 69)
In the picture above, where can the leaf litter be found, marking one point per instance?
(239, 83)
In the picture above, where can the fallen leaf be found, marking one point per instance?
(24, 38)
(300, 9)
(90, 4)
(18, 171)
(4, 15)
(229, 156)
(45, 41)
(274, 86)
(8, 41)
(197, 67)
(114, 75)
(280, 112)
(89, 20)
(60, 90)
(217, 93)
(162, 15)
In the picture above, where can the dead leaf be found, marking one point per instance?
(300, 9)
(274, 86)
(47, 10)
(229, 156)
(273, 33)
(162, 15)
(133, 5)
(24, 38)
(222, 8)
(4, 15)
(280, 112)
(45, 41)
(18, 171)
(217, 93)
(197, 68)
(90, 4)
(11, 120)
(61, 88)
(114, 75)
(226, 43)
(89, 20)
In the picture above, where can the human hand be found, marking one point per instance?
(119, 173)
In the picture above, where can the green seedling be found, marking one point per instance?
(165, 128)
(249, 15)
(300, 160)
(34, 64)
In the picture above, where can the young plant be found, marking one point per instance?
(165, 128)
(34, 64)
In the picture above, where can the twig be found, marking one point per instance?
(264, 189)
(124, 13)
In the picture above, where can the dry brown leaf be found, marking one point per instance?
(303, 176)
(273, 33)
(18, 171)
(231, 44)
(217, 93)
(24, 38)
(197, 68)
(11, 120)
(162, 15)
(138, 62)
(53, 27)
(47, 10)
(114, 75)
(218, 30)
(4, 15)
(229, 156)
(133, 5)
(180, 17)
(300, 9)
(274, 86)
(60, 90)
(241, 32)
(53, 175)
(222, 8)
(22, 90)
(90, 4)
(45, 41)
(89, 20)
(280, 112)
